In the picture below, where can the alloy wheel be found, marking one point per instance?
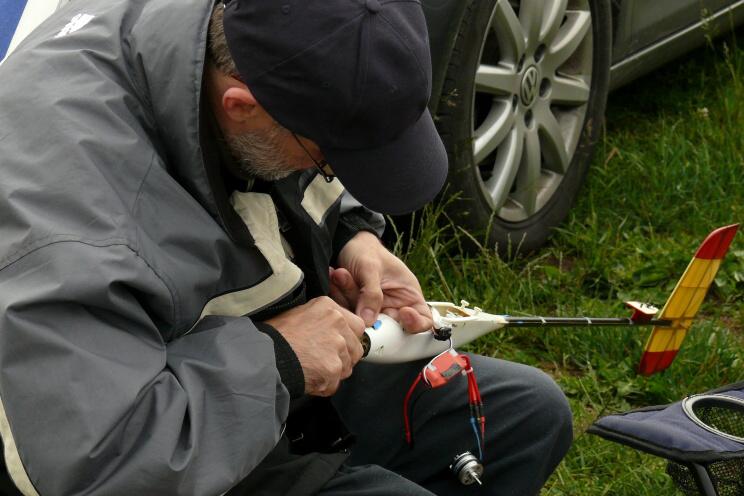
(533, 84)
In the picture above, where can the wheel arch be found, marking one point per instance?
(444, 19)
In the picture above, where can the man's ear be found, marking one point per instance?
(239, 104)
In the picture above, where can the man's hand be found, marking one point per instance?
(372, 280)
(325, 338)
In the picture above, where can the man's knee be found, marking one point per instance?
(550, 412)
(538, 407)
(555, 403)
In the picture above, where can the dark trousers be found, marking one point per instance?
(528, 431)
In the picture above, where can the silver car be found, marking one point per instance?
(519, 95)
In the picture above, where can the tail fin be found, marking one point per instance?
(685, 300)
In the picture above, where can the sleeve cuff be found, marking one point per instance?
(290, 370)
(348, 226)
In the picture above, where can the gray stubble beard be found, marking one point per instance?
(259, 154)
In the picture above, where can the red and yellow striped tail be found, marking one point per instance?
(685, 300)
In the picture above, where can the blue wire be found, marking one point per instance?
(477, 437)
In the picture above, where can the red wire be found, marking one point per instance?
(467, 362)
(406, 420)
(475, 396)
(477, 391)
(472, 386)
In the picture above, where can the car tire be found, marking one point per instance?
(520, 119)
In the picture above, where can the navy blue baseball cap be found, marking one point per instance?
(354, 76)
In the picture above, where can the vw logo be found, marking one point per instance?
(528, 92)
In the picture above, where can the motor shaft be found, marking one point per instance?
(467, 468)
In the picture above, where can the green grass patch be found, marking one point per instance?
(668, 169)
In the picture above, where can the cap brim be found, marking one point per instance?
(398, 177)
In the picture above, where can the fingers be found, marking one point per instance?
(335, 292)
(353, 338)
(337, 368)
(343, 289)
(414, 320)
(366, 297)
(325, 339)
(350, 329)
(343, 368)
(355, 323)
(369, 302)
(347, 351)
(393, 313)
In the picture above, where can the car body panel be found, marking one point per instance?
(652, 21)
(647, 33)
(643, 60)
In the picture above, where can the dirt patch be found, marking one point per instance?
(556, 372)
(565, 264)
(732, 324)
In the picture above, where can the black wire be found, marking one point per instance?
(410, 411)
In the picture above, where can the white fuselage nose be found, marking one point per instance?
(389, 343)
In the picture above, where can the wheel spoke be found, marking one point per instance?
(521, 143)
(531, 16)
(573, 91)
(491, 133)
(568, 38)
(552, 142)
(508, 31)
(506, 167)
(528, 179)
(554, 11)
(496, 80)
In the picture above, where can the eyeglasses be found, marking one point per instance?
(323, 167)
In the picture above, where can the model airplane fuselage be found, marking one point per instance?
(455, 325)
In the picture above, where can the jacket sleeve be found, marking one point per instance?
(96, 401)
(354, 218)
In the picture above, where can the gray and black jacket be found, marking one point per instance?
(129, 269)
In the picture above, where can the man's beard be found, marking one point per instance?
(259, 153)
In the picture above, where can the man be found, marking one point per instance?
(168, 224)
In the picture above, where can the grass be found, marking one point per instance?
(668, 169)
